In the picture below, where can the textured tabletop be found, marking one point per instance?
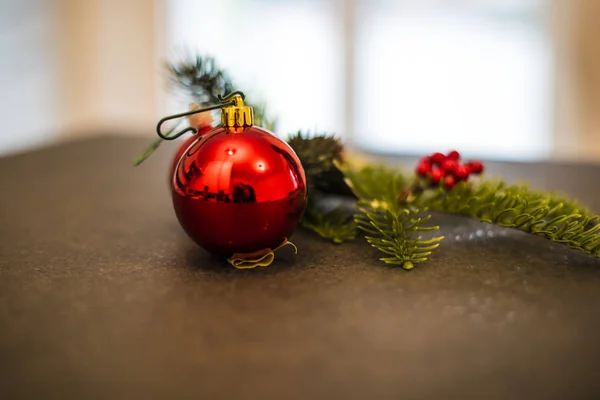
(103, 296)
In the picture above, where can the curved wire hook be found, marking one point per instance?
(180, 115)
(228, 97)
(225, 101)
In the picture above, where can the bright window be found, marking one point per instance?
(424, 75)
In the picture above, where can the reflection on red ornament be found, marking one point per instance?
(183, 147)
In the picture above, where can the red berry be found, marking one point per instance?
(437, 158)
(462, 172)
(423, 168)
(454, 155)
(449, 182)
(436, 176)
(476, 167)
(449, 165)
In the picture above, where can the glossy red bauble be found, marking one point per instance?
(239, 192)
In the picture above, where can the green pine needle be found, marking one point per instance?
(396, 233)
(203, 80)
(319, 155)
(391, 226)
(336, 225)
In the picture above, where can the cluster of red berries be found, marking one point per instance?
(447, 168)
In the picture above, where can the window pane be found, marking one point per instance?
(285, 52)
(434, 75)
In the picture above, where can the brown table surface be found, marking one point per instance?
(103, 296)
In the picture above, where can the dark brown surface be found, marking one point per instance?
(102, 295)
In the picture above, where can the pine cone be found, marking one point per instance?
(318, 155)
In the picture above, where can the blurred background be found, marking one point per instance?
(496, 79)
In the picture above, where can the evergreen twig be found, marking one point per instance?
(391, 226)
(204, 80)
(320, 155)
(547, 215)
(336, 225)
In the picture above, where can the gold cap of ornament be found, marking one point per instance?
(237, 117)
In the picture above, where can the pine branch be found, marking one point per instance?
(547, 215)
(336, 225)
(396, 233)
(320, 155)
(203, 80)
(391, 225)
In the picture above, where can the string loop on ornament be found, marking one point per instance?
(225, 101)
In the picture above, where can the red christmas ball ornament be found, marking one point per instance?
(184, 146)
(202, 123)
(238, 189)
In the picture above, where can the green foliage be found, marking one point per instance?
(202, 79)
(547, 215)
(376, 182)
(396, 233)
(336, 225)
(319, 155)
(154, 145)
(392, 211)
(391, 226)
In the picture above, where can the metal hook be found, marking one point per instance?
(228, 100)
(180, 115)
(230, 96)
(225, 101)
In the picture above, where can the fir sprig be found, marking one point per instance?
(550, 216)
(320, 155)
(390, 224)
(203, 80)
(392, 211)
(396, 233)
(336, 225)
